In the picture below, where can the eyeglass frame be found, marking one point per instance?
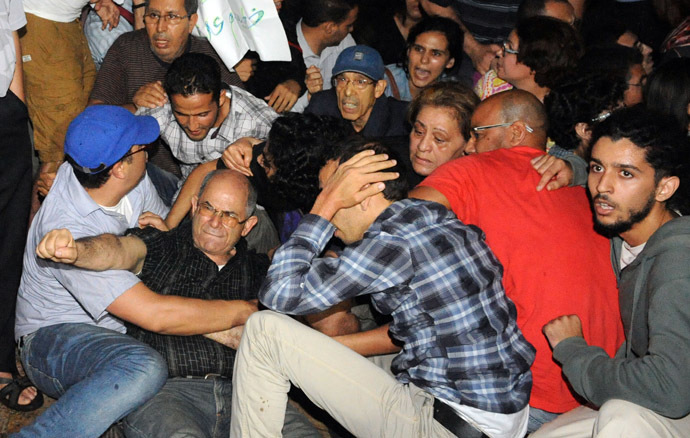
(144, 148)
(222, 214)
(358, 84)
(476, 129)
(170, 18)
(506, 49)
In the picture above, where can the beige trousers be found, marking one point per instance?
(277, 350)
(615, 419)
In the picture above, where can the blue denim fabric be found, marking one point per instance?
(538, 417)
(164, 182)
(97, 375)
(199, 408)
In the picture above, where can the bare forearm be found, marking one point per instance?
(191, 187)
(107, 251)
(370, 343)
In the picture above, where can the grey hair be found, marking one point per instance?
(251, 191)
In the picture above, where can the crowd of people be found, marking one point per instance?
(440, 218)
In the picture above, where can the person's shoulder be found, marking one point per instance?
(324, 103)
(133, 40)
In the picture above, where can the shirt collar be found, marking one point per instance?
(306, 50)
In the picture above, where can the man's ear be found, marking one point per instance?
(329, 27)
(666, 188)
(583, 131)
(119, 169)
(518, 132)
(195, 204)
(247, 226)
(192, 21)
(380, 87)
(450, 64)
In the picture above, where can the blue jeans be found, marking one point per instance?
(97, 375)
(538, 417)
(164, 182)
(199, 408)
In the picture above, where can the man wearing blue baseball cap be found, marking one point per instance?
(69, 321)
(357, 95)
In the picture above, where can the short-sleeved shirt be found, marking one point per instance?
(248, 117)
(554, 262)
(325, 62)
(12, 18)
(54, 293)
(130, 63)
(174, 266)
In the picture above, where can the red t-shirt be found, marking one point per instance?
(554, 262)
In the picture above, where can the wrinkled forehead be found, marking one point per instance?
(166, 5)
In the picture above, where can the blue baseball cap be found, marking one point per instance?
(360, 59)
(102, 134)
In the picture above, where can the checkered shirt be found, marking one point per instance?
(248, 117)
(441, 284)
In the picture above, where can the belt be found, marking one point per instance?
(450, 419)
(209, 376)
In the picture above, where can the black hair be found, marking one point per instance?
(194, 73)
(666, 147)
(190, 6)
(580, 99)
(550, 47)
(295, 149)
(396, 189)
(668, 90)
(616, 60)
(449, 28)
(93, 180)
(534, 8)
(316, 12)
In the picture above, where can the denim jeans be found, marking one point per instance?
(164, 182)
(199, 408)
(538, 417)
(97, 375)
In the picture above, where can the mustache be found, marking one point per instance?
(603, 198)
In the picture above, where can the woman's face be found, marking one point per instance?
(427, 58)
(435, 139)
(508, 67)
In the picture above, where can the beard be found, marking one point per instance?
(622, 225)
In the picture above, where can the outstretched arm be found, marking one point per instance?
(98, 253)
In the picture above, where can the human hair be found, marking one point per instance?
(534, 8)
(459, 99)
(580, 99)
(396, 189)
(666, 147)
(194, 73)
(616, 60)
(316, 12)
(550, 47)
(251, 191)
(296, 145)
(449, 28)
(668, 90)
(600, 28)
(93, 180)
(190, 6)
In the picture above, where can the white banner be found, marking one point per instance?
(235, 26)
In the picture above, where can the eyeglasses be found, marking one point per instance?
(359, 84)
(227, 218)
(170, 18)
(507, 49)
(500, 125)
(143, 148)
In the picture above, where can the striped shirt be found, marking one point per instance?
(441, 284)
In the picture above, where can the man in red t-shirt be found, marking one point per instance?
(554, 262)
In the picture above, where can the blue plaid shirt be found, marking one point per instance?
(440, 283)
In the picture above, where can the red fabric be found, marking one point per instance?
(554, 262)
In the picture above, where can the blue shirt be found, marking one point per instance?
(54, 293)
(441, 284)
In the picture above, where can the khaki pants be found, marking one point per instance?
(277, 350)
(58, 76)
(615, 419)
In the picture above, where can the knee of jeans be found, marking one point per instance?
(148, 369)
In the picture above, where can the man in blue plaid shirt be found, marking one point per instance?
(463, 369)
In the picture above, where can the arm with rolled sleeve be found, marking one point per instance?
(299, 282)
